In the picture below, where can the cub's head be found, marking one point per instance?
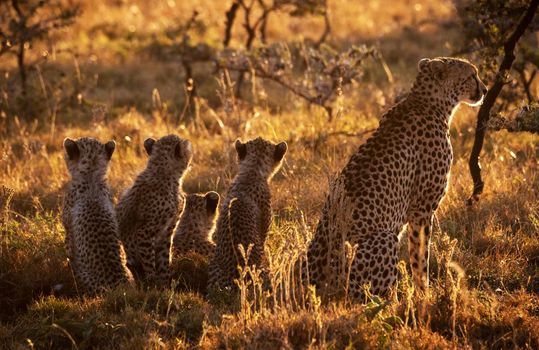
(169, 153)
(260, 155)
(200, 211)
(87, 157)
(453, 78)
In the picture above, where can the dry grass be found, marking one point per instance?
(484, 260)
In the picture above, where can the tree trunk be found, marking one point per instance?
(22, 68)
(490, 98)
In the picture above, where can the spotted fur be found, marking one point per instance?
(197, 223)
(149, 210)
(399, 176)
(245, 215)
(95, 252)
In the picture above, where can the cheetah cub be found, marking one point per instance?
(95, 252)
(197, 223)
(245, 215)
(149, 210)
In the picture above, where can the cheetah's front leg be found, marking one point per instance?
(419, 231)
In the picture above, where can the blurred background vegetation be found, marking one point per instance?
(63, 60)
(316, 73)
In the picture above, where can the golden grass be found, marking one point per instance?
(484, 259)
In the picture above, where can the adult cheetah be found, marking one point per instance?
(399, 176)
(149, 210)
(197, 223)
(94, 249)
(245, 215)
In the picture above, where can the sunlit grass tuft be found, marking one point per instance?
(484, 265)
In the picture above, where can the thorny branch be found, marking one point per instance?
(526, 120)
(325, 71)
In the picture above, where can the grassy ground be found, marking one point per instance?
(484, 259)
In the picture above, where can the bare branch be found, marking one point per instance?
(230, 17)
(327, 28)
(526, 82)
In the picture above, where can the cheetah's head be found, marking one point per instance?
(452, 77)
(169, 153)
(261, 155)
(202, 209)
(86, 157)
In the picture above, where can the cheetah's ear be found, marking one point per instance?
(423, 65)
(188, 149)
(212, 201)
(72, 149)
(148, 145)
(280, 150)
(439, 69)
(109, 148)
(241, 148)
(434, 67)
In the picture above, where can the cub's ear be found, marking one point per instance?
(212, 201)
(280, 151)
(241, 148)
(109, 148)
(72, 149)
(148, 145)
